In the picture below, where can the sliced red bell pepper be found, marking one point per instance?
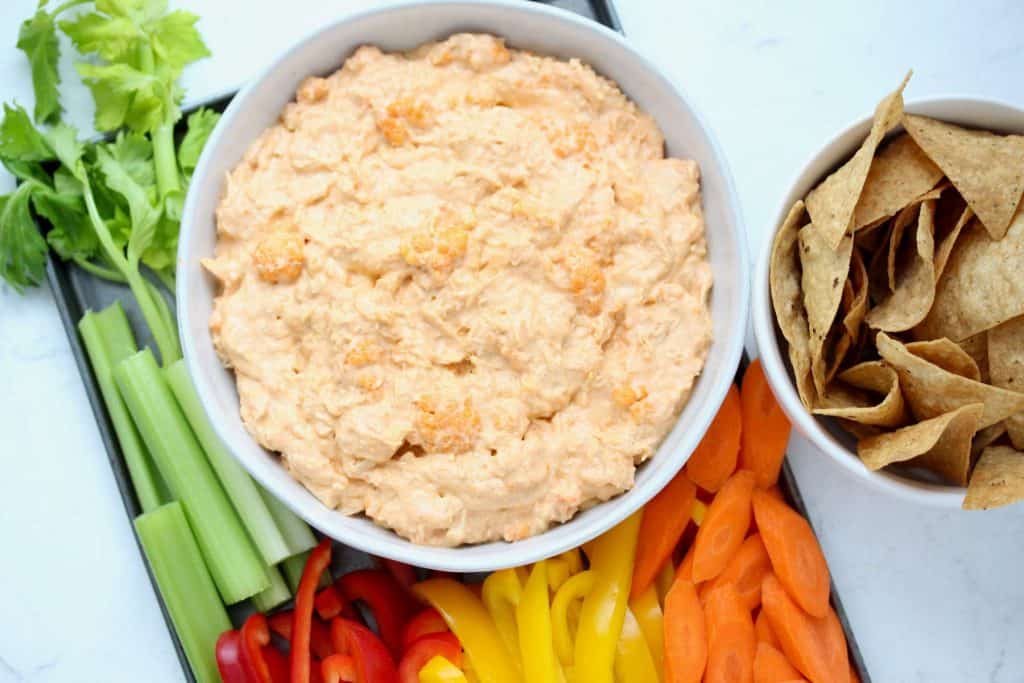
(328, 603)
(373, 662)
(338, 669)
(426, 648)
(320, 644)
(256, 636)
(229, 658)
(281, 623)
(425, 622)
(302, 628)
(277, 663)
(390, 604)
(402, 573)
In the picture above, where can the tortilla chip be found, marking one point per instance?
(831, 204)
(899, 173)
(1006, 365)
(824, 272)
(857, 309)
(945, 246)
(915, 287)
(787, 300)
(858, 430)
(986, 437)
(941, 444)
(870, 237)
(931, 391)
(977, 348)
(874, 376)
(982, 285)
(987, 169)
(997, 480)
(948, 355)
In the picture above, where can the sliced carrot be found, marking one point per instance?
(775, 492)
(795, 554)
(815, 646)
(731, 641)
(665, 519)
(725, 525)
(686, 645)
(771, 666)
(746, 570)
(854, 676)
(685, 570)
(765, 427)
(716, 455)
(763, 630)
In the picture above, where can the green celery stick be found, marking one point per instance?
(233, 561)
(292, 569)
(273, 596)
(240, 487)
(185, 585)
(295, 531)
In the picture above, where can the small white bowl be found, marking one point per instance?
(840, 446)
(531, 26)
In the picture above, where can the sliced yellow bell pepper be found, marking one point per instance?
(534, 617)
(558, 573)
(573, 559)
(576, 588)
(663, 581)
(647, 610)
(699, 510)
(502, 591)
(468, 619)
(604, 608)
(440, 670)
(633, 661)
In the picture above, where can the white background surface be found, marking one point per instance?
(932, 595)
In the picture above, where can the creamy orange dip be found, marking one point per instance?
(462, 289)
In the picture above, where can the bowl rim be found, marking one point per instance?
(579, 530)
(835, 149)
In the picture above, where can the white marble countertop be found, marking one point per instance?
(932, 595)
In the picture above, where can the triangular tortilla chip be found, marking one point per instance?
(945, 246)
(899, 173)
(931, 391)
(1006, 365)
(986, 437)
(854, 313)
(997, 480)
(874, 376)
(976, 347)
(831, 204)
(987, 169)
(915, 285)
(824, 273)
(941, 444)
(948, 355)
(788, 303)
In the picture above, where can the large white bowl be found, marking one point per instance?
(525, 25)
(838, 445)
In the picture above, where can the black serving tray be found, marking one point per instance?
(76, 291)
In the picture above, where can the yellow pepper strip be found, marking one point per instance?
(523, 573)
(611, 559)
(501, 594)
(633, 661)
(647, 610)
(699, 510)
(467, 668)
(558, 573)
(576, 588)
(467, 617)
(663, 581)
(573, 559)
(534, 617)
(440, 670)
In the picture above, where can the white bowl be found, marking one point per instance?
(823, 431)
(525, 25)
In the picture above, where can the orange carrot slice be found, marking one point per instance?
(775, 492)
(715, 457)
(731, 641)
(765, 427)
(685, 571)
(746, 570)
(795, 554)
(763, 630)
(725, 525)
(686, 645)
(664, 520)
(854, 677)
(815, 646)
(771, 666)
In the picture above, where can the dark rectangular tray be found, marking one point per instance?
(77, 291)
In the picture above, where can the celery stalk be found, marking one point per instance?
(241, 489)
(295, 531)
(185, 584)
(292, 569)
(273, 596)
(108, 340)
(232, 559)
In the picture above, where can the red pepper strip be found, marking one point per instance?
(328, 603)
(372, 659)
(317, 563)
(339, 669)
(425, 622)
(281, 623)
(402, 573)
(426, 648)
(390, 605)
(229, 658)
(277, 663)
(320, 643)
(256, 635)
